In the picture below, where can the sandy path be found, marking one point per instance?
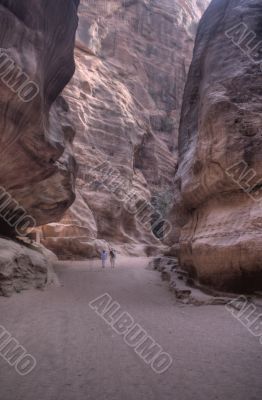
(79, 357)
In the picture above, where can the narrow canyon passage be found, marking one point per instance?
(80, 357)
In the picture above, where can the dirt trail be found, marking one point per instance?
(80, 357)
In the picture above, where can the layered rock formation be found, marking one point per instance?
(35, 166)
(37, 170)
(132, 60)
(220, 164)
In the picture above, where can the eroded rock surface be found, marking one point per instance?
(23, 266)
(132, 60)
(36, 165)
(218, 198)
(37, 169)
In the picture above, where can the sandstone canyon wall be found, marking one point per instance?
(218, 197)
(132, 60)
(37, 169)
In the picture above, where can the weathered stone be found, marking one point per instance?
(132, 60)
(36, 164)
(37, 169)
(23, 266)
(218, 197)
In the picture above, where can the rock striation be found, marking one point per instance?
(132, 59)
(218, 196)
(37, 169)
(37, 42)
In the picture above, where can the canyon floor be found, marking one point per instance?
(80, 357)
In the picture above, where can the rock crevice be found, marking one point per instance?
(132, 59)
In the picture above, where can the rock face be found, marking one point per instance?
(218, 198)
(132, 59)
(36, 62)
(37, 169)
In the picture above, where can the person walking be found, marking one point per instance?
(103, 258)
(112, 255)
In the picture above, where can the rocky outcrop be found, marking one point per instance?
(132, 59)
(36, 62)
(218, 198)
(184, 288)
(24, 266)
(37, 169)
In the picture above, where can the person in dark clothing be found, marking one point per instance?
(112, 255)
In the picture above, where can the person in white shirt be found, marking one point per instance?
(103, 258)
